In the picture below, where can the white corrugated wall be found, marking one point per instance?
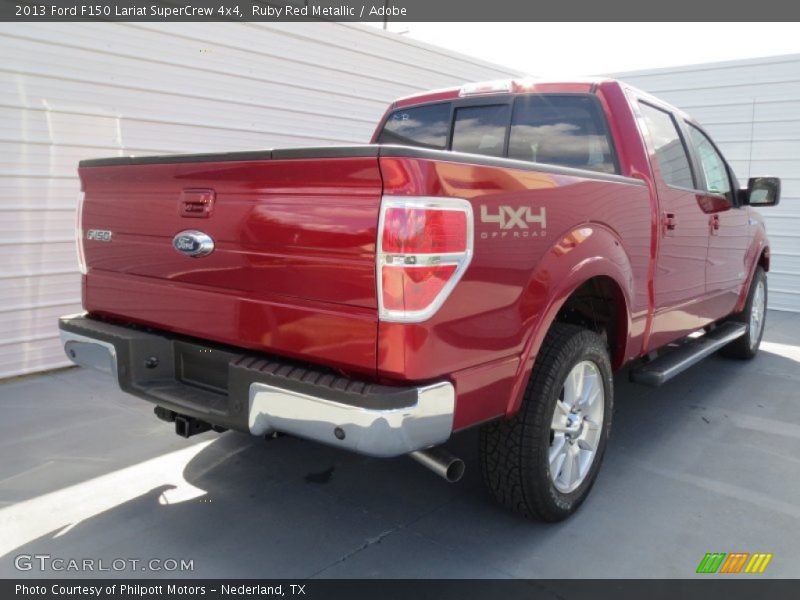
(752, 110)
(74, 91)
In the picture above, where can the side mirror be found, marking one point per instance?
(762, 191)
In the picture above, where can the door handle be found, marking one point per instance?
(670, 222)
(196, 203)
(713, 224)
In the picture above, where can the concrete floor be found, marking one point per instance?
(708, 463)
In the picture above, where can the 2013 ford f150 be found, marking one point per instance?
(491, 258)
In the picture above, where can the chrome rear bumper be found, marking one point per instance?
(262, 394)
(375, 432)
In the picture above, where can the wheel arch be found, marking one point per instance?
(763, 258)
(588, 264)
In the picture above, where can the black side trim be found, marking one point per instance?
(366, 150)
(166, 159)
(276, 154)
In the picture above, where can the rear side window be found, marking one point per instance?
(425, 126)
(481, 129)
(671, 156)
(568, 131)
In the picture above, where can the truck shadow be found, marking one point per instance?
(297, 509)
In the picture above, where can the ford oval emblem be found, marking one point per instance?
(193, 243)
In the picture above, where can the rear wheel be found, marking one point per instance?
(753, 316)
(543, 462)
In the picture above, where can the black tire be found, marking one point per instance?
(514, 452)
(746, 347)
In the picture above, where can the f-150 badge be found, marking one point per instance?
(99, 235)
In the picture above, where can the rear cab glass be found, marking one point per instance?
(567, 130)
(480, 129)
(561, 130)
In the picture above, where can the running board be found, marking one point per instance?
(663, 368)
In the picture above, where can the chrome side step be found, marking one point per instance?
(663, 368)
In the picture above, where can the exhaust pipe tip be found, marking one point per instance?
(441, 462)
(455, 470)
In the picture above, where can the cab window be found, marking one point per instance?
(423, 126)
(717, 180)
(481, 129)
(568, 131)
(671, 155)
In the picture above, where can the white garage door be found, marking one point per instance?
(752, 110)
(74, 91)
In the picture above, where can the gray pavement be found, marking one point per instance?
(708, 463)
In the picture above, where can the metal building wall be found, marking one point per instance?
(752, 110)
(74, 91)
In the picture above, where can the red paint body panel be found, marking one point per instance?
(293, 271)
(311, 331)
(512, 281)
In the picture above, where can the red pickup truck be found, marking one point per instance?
(491, 258)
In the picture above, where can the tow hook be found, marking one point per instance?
(189, 426)
(185, 426)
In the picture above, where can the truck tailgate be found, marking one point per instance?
(293, 265)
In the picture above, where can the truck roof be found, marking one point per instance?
(502, 86)
(526, 86)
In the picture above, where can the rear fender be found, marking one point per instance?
(589, 251)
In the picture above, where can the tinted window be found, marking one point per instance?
(716, 175)
(560, 130)
(425, 126)
(481, 129)
(668, 146)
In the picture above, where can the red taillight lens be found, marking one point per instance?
(425, 245)
(428, 231)
(413, 288)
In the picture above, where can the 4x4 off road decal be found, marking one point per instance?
(514, 221)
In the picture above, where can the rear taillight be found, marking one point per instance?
(424, 247)
(79, 235)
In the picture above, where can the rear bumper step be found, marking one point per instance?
(258, 394)
(693, 350)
